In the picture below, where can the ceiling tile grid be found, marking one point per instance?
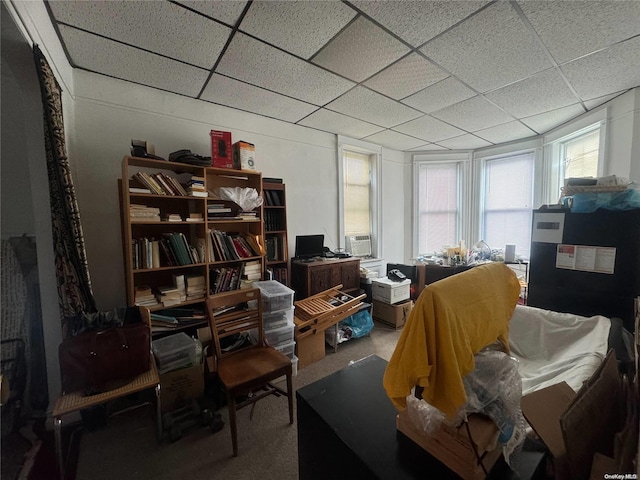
(233, 93)
(360, 50)
(490, 50)
(372, 107)
(301, 28)
(359, 68)
(329, 121)
(129, 63)
(189, 37)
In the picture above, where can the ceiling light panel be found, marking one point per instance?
(233, 93)
(372, 107)
(360, 50)
(440, 95)
(259, 64)
(572, 29)
(544, 122)
(464, 142)
(129, 63)
(491, 49)
(406, 76)
(161, 27)
(542, 92)
(301, 28)
(395, 140)
(473, 114)
(506, 132)
(341, 124)
(612, 70)
(429, 128)
(415, 21)
(227, 12)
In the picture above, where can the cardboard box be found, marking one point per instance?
(453, 447)
(244, 156)
(178, 386)
(394, 315)
(221, 149)
(388, 291)
(574, 426)
(310, 348)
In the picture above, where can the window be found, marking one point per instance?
(507, 197)
(359, 164)
(438, 221)
(579, 154)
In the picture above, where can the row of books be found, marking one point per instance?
(274, 220)
(143, 213)
(224, 279)
(225, 246)
(280, 274)
(272, 198)
(174, 318)
(158, 183)
(171, 250)
(196, 188)
(274, 247)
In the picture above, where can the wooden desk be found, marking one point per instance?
(347, 429)
(310, 278)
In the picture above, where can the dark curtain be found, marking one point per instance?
(74, 285)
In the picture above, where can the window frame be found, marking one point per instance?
(375, 155)
(464, 196)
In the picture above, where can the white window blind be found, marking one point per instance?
(357, 193)
(580, 155)
(437, 206)
(507, 202)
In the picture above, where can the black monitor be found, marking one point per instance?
(309, 246)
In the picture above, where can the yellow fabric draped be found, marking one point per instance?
(452, 320)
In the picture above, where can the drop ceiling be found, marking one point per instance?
(408, 75)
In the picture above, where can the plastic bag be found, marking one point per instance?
(246, 198)
(360, 323)
(628, 199)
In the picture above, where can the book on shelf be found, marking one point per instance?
(144, 296)
(194, 217)
(139, 190)
(172, 217)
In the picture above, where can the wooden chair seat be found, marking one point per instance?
(254, 367)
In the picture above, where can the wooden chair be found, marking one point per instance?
(249, 369)
(68, 403)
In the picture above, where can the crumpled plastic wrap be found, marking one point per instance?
(246, 198)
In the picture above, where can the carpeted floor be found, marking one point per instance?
(128, 449)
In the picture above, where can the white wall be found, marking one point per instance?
(110, 113)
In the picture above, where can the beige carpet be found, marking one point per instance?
(127, 448)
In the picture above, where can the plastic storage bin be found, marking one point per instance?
(276, 336)
(277, 319)
(174, 352)
(275, 296)
(288, 349)
(294, 363)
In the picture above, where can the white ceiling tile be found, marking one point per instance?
(543, 92)
(489, 50)
(160, 27)
(254, 62)
(227, 12)
(233, 93)
(440, 95)
(395, 140)
(590, 104)
(428, 147)
(473, 114)
(417, 21)
(464, 142)
(407, 76)
(360, 50)
(372, 107)
(301, 28)
(506, 132)
(572, 29)
(612, 70)
(128, 63)
(544, 122)
(333, 122)
(429, 128)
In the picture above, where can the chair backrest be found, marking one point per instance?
(232, 313)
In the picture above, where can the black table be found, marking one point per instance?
(347, 429)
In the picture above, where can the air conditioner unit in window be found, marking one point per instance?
(359, 245)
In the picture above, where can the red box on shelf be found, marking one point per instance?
(221, 153)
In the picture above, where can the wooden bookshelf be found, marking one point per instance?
(160, 253)
(275, 225)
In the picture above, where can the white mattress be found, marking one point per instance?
(553, 347)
